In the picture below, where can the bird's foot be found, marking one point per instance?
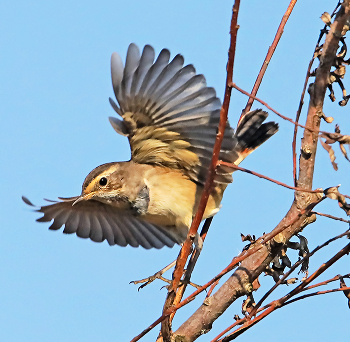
(159, 275)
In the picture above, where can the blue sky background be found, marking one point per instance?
(54, 89)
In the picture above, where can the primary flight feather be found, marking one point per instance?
(170, 117)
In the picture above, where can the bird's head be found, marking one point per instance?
(105, 184)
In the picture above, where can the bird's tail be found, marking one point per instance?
(251, 132)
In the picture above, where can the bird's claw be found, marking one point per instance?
(150, 279)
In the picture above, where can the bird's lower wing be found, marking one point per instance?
(99, 222)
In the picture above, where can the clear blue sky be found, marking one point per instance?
(54, 89)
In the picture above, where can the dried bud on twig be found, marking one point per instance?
(330, 151)
(328, 119)
(334, 194)
(248, 305)
(332, 138)
(326, 18)
(291, 281)
(248, 238)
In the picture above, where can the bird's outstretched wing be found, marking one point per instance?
(99, 222)
(168, 113)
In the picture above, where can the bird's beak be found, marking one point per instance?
(83, 198)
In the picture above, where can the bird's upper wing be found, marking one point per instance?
(99, 222)
(168, 113)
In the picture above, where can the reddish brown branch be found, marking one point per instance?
(186, 249)
(240, 258)
(252, 263)
(269, 55)
(240, 282)
(315, 294)
(326, 282)
(280, 302)
(301, 103)
(331, 216)
(292, 269)
(236, 167)
(233, 85)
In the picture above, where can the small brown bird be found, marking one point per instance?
(170, 117)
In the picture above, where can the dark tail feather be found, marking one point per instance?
(251, 132)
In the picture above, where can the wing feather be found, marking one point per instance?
(170, 100)
(99, 222)
(96, 230)
(171, 117)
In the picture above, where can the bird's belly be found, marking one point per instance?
(173, 198)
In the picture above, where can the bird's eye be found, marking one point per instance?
(103, 181)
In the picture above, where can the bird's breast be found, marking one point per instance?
(171, 197)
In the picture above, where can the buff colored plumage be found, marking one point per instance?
(170, 117)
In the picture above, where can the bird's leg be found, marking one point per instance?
(198, 243)
(159, 274)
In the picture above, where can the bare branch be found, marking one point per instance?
(236, 167)
(240, 282)
(269, 55)
(186, 249)
(280, 302)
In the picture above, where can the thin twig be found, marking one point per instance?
(234, 85)
(186, 249)
(331, 216)
(269, 55)
(301, 102)
(315, 294)
(236, 167)
(326, 282)
(191, 264)
(297, 264)
(297, 117)
(279, 303)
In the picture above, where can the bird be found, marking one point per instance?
(170, 117)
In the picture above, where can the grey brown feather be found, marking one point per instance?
(99, 222)
(171, 97)
(170, 117)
